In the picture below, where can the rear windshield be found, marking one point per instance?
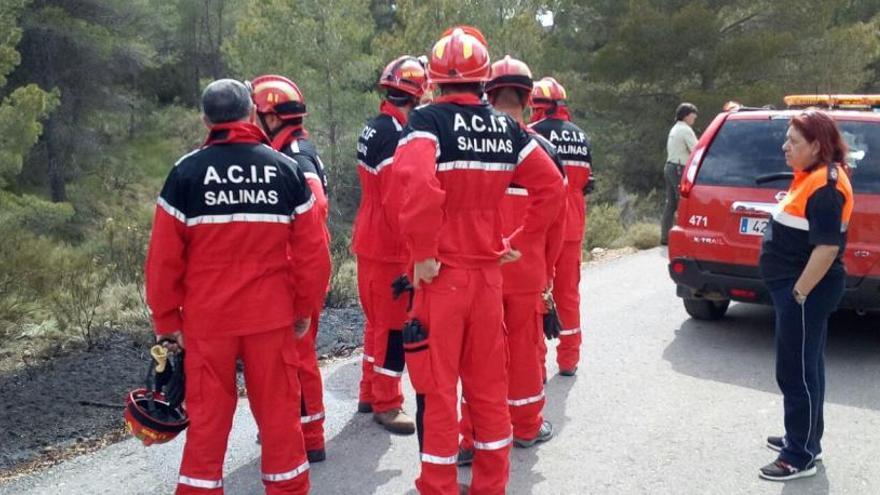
(746, 149)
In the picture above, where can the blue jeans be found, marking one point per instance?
(801, 334)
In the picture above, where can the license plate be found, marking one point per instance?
(753, 226)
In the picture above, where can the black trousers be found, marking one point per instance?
(801, 334)
(672, 174)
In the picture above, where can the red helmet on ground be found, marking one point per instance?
(476, 33)
(547, 93)
(459, 58)
(510, 73)
(278, 95)
(151, 419)
(151, 415)
(405, 74)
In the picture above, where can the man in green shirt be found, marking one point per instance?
(679, 144)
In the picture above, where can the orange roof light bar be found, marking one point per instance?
(731, 106)
(839, 101)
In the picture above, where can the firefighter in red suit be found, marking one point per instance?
(525, 280)
(455, 161)
(218, 278)
(380, 252)
(280, 110)
(550, 118)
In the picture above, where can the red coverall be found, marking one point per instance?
(524, 282)
(218, 270)
(574, 150)
(381, 258)
(455, 161)
(287, 141)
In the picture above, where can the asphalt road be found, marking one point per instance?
(662, 404)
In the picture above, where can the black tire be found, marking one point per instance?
(704, 309)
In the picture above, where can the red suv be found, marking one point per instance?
(736, 176)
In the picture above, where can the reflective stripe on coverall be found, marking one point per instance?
(381, 258)
(455, 161)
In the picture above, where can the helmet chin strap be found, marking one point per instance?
(270, 132)
(400, 101)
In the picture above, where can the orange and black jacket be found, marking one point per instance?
(816, 211)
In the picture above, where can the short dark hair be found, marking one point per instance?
(522, 96)
(475, 88)
(684, 110)
(226, 100)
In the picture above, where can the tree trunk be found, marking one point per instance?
(707, 82)
(54, 159)
(218, 44)
(55, 164)
(328, 75)
(191, 55)
(208, 51)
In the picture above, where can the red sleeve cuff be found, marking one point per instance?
(421, 253)
(303, 309)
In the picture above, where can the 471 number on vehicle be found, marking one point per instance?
(699, 221)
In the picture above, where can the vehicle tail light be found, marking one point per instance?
(678, 267)
(690, 172)
(744, 293)
(696, 159)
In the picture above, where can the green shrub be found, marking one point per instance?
(80, 283)
(343, 284)
(122, 306)
(647, 207)
(47, 330)
(14, 311)
(603, 226)
(25, 276)
(124, 244)
(642, 235)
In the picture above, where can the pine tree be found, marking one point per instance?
(322, 46)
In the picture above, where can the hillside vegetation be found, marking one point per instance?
(99, 97)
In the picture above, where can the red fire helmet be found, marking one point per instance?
(547, 93)
(458, 58)
(510, 72)
(278, 95)
(150, 418)
(406, 74)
